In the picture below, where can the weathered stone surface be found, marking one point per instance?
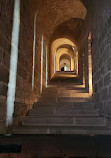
(6, 60)
(3, 111)
(101, 83)
(103, 45)
(109, 64)
(107, 79)
(109, 36)
(106, 53)
(95, 87)
(109, 92)
(104, 94)
(4, 74)
(4, 44)
(1, 55)
(109, 22)
(3, 89)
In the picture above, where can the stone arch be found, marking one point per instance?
(65, 60)
(54, 49)
(64, 51)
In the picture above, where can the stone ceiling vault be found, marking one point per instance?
(55, 12)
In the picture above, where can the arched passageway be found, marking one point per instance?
(58, 48)
(65, 63)
(42, 39)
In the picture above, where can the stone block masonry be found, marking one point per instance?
(102, 64)
(6, 17)
(24, 96)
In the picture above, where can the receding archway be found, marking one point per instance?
(61, 52)
(65, 62)
(54, 49)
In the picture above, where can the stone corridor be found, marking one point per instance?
(55, 77)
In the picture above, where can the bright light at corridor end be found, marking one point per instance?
(13, 64)
(54, 46)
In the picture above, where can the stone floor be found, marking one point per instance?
(60, 146)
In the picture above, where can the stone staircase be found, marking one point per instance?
(65, 107)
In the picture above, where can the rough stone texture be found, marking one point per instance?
(101, 57)
(47, 146)
(6, 14)
(85, 62)
(56, 12)
(24, 96)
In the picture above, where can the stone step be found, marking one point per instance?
(68, 91)
(75, 95)
(76, 87)
(63, 91)
(65, 73)
(73, 99)
(65, 86)
(70, 81)
(95, 114)
(78, 105)
(62, 130)
(48, 99)
(51, 89)
(66, 97)
(63, 111)
(50, 94)
(82, 105)
(61, 78)
(52, 104)
(64, 121)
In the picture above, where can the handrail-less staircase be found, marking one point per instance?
(64, 108)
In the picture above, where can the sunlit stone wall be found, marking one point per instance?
(25, 94)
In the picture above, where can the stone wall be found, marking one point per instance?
(6, 18)
(101, 60)
(25, 96)
(85, 58)
(80, 65)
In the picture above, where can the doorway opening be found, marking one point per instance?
(65, 68)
